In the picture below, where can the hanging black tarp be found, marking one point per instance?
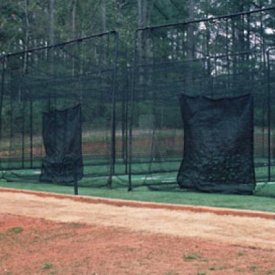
(62, 141)
(218, 144)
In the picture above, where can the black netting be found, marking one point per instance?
(132, 134)
(62, 141)
(44, 80)
(213, 58)
(218, 142)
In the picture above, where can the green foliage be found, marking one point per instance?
(23, 24)
(241, 253)
(47, 265)
(192, 256)
(16, 230)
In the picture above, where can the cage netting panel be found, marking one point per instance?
(218, 142)
(218, 57)
(62, 141)
(45, 79)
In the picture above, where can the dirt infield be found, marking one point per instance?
(54, 234)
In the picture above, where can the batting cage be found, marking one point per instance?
(201, 105)
(58, 111)
(192, 109)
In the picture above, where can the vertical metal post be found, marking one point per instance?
(131, 113)
(2, 94)
(126, 122)
(268, 116)
(113, 130)
(31, 130)
(2, 98)
(22, 101)
(23, 136)
(11, 127)
(75, 180)
(75, 167)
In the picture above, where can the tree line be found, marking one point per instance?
(26, 24)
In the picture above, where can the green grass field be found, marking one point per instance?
(176, 196)
(154, 187)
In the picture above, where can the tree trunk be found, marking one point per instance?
(27, 28)
(190, 46)
(51, 42)
(51, 21)
(140, 25)
(144, 42)
(74, 4)
(103, 16)
(140, 38)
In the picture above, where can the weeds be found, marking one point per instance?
(47, 266)
(16, 230)
(253, 268)
(192, 256)
(241, 253)
(215, 268)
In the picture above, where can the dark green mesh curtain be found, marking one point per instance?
(218, 144)
(62, 141)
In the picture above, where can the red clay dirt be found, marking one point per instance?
(43, 233)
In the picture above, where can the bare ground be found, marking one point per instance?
(53, 234)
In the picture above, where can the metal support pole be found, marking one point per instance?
(126, 123)
(23, 136)
(268, 115)
(113, 127)
(2, 94)
(131, 113)
(2, 98)
(31, 130)
(75, 180)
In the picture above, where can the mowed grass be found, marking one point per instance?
(159, 188)
(259, 202)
